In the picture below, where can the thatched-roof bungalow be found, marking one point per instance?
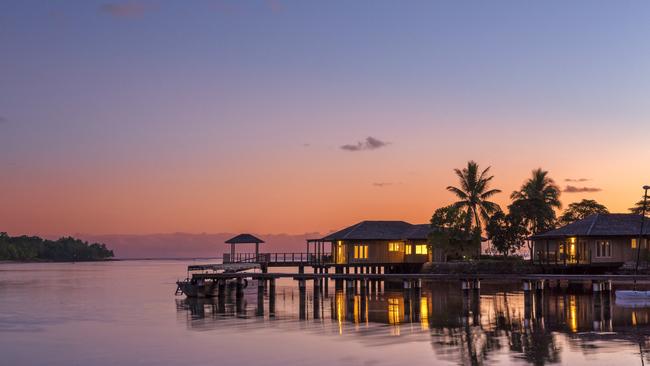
(601, 239)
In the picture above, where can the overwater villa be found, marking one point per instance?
(604, 240)
(396, 245)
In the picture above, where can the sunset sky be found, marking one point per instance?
(227, 116)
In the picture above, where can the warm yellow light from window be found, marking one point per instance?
(360, 252)
(357, 308)
(572, 240)
(573, 321)
(424, 312)
(393, 311)
(409, 249)
(634, 318)
(394, 247)
(340, 304)
(421, 249)
(633, 244)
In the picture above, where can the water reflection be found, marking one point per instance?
(464, 327)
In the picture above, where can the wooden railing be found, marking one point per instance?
(289, 258)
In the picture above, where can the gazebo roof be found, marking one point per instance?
(244, 239)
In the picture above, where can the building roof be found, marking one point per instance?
(381, 230)
(244, 239)
(600, 225)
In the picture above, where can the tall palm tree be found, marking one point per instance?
(474, 193)
(536, 200)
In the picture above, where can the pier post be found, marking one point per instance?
(272, 297)
(302, 289)
(596, 286)
(301, 269)
(465, 286)
(221, 288)
(349, 285)
(260, 297)
(316, 299)
(597, 310)
(465, 310)
(239, 287)
(363, 286)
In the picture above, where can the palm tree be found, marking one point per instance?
(474, 193)
(536, 200)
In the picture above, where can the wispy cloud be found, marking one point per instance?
(127, 9)
(382, 184)
(370, 143)
(573, 189)
(577, 179)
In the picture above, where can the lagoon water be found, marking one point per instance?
(125, 313)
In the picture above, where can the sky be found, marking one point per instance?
(300, 116)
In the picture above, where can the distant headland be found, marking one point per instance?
(34, 249)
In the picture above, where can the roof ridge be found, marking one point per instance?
(353, 229)
(593, 223)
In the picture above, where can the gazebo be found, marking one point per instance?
(244, 239)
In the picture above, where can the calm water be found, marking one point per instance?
(125, 313)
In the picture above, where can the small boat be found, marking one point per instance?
(206, 288)
(633, 295)
(197, 288)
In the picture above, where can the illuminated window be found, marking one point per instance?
(360, 251)
(409, 249)
(603, 248)
(421, 249)
(395, 247)
(633, 244)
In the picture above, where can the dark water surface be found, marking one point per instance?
(125, 313)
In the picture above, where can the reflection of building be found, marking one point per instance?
(463, 328)
(600, 239)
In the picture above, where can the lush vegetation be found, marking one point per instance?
(453, 232)
(638, 207)
(33, 248)
(458, 227)
(579, 210)
(507, 232)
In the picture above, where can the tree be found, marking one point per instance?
(452, 232)
(507, 232)
(638, 207)
(536, 202)
(474, 193)
(579, 210)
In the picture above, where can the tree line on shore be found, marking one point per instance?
(33, 248)
(459, 227)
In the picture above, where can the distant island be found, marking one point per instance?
(33, 248)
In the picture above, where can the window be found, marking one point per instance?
(603, 248)
(633, 244)
(395, 247)
(360, 251)
(409, 249)
(421, 249)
